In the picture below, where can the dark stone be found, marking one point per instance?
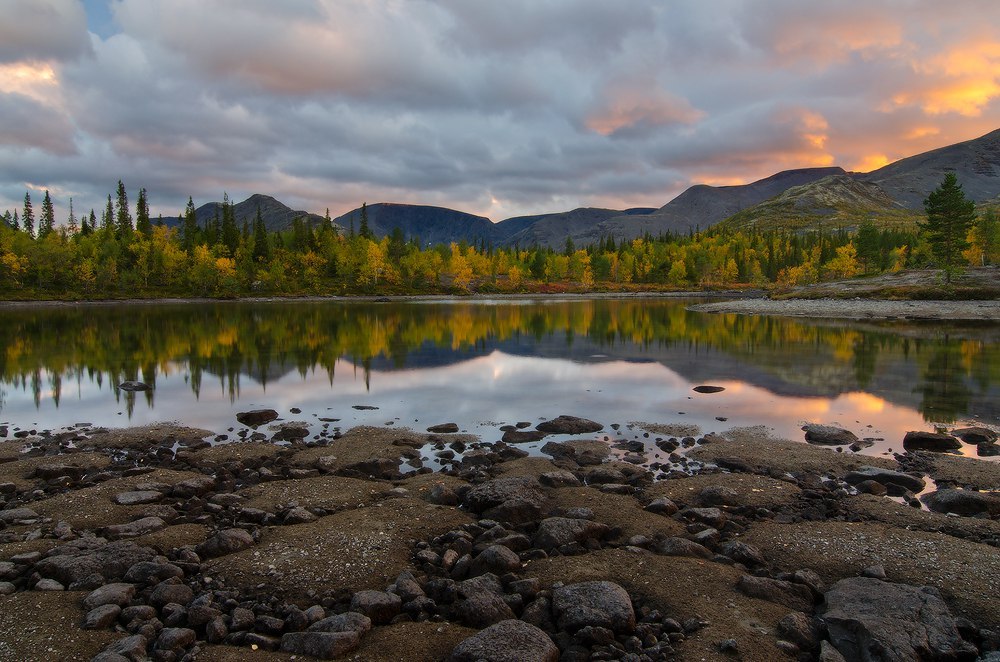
(708, 389)
(793, 596)
(963, 502)
(298, 516)
(324, 645)
(799, 629)
(829, 435)
(109, 594)
(975, 435)
(521, 436)
(496, 559)
(152, 572)
(101, 617)
(443, 495)
(216, 631)
(379, 606)
(717, 495)
(930, 441)
(885, 477)
(166, 593)
(256, 417)
(495, 492)
(18, 516)
(987, 450)
(132, 648)
(443, 428)
(674, 546)
(174, 638)
(351, 621)
(872, 619)
(662, 506)
(135, 386)
(224, 542)
(559, 479)
(139, 527)
(554, 532)
(871, 487)
(137, 498)
(193, 487)
(375, 467)
(743, 553)
(507, 641)
(569, 425)
(599, 604)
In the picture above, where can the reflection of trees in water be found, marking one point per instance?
(945, 395)
(264, 341)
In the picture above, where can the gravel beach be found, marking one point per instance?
(151, 543)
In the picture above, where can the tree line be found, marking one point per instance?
(118, 254)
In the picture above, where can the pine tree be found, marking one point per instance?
(949, 217)
(142, 222)
(47, 222)
(123, 219)
(71, 224)
(28, 216)
(230, 235)
(364, 230)
(189, 228)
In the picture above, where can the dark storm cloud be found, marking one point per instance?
(498, 108)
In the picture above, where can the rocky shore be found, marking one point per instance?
(859, 309)
(153, 543)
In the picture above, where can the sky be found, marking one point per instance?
(495, 108)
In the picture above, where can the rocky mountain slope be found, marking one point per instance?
(276, 215)
(432, 225)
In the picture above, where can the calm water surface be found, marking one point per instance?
(486, 364)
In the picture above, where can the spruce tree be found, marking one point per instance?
(364, 230)
(16, 224)
(189, 229)
(230, 235)
(142, 222)
(71, 224)
(47, 222)
(949, 217)
(866, 242)
(261, 243)
(28, 216)
(123, 219)
(108, 218)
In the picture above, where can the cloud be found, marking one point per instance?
(506, 108)
(42, 30)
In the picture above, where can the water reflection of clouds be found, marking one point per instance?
(496, 388)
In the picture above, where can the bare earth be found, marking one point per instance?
(328, 521)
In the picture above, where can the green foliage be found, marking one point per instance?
(949, 217)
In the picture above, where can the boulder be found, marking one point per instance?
(225, 542)
(135, 386)
(192, 487)
(674, 546)
(443, 428)
(101, 617)
(885, 477)
(521, 436)
(936, 442)
(869, 619)
(496, 559)
(139, 527)
(379, 606)
(554, 532)
(705, 388)
(507, 641)
(375, 467)
(975, 435)
(351, 621)
(598, 604)
(256, 417)
(569, 425)
(963, 502)
(166, 593)
(137, 498)
(828, 435)
(495, 492)
(559, 478)
(662, 506)
(110, 594)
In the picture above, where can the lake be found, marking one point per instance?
(484, 364)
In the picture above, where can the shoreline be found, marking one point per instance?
(860, 309)
(143, 539)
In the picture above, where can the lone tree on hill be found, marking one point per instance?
(949, 217)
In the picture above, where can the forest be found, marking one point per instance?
(124, 255)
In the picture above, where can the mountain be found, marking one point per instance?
(975, 162)
(552, 229)
(276, 215)
(833, 201)
(432, 225)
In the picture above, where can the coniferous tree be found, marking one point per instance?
(142, 222)
(71, 223)
(47, 221)
(949, 217)
(866, 242)
(364, 230)
(108, 218)
(28, 216)
(189, 229)
(230, 234)
(123, 219)
(16, 224)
